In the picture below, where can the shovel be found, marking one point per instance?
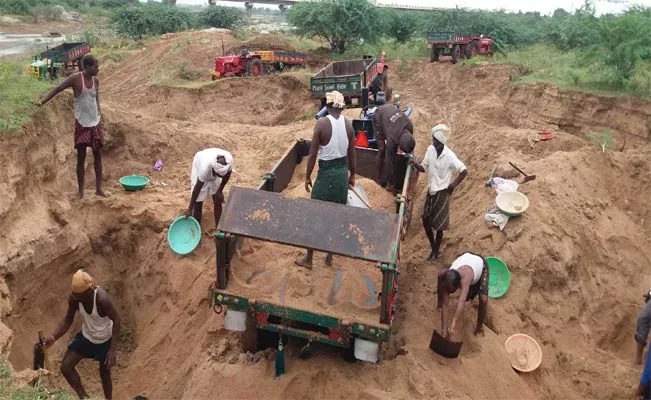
(527, 178)
(360, 197)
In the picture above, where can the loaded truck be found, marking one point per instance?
(65, 56)
(262, 301)
(457, 45)
(256, 63)
(355, 79)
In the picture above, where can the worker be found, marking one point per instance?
(440, 162)
(89, 131)
(392, 129)
(643, 327)
(211, 171)
(100, 324)
(644, 388)
(468, 272)
(334, 145)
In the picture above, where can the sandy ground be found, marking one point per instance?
(578, 257)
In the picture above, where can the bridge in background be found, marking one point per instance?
(284, 4)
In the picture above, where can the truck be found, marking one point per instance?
(355, 79)
(65, 56)
(256, 63)
(364, 241)
(457, 45)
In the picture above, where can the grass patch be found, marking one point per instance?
(412, 49)
(576, 70)
(9, 389)
(18, 92)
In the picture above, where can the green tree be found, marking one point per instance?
(626, 40)
(222, 17)
(340, 22)
(399, 25)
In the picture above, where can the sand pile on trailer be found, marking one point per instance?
(578, 257)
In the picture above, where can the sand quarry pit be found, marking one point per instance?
(578, 257)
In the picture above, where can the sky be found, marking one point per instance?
(542, 6)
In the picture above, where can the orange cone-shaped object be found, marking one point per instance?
(362, 140)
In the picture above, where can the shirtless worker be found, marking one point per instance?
(100, 324)
(440, 162)
(334, 144)
(468, 272)
(89, 131)
(211, 171)
(395, 128)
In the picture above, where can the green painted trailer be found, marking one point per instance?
(289, 222)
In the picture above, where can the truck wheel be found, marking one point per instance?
(456, 54)
(254, 68)
(435, 54)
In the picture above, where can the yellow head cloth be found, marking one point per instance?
(81, 282)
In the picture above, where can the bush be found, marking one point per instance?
(400, 25)
(149, 20)
(47, 13)
(222, 17)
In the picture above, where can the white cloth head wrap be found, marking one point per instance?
(220, 168)
(441, 133)
(336, 98)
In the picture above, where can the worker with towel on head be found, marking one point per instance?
(440, 162)
(211, 170)
(333, 143)
(100, 324)
(392, 129)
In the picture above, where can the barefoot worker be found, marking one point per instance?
(211, 170)
(100, 323)
(89, 131)
(334, 145)
(470, 273)
(440, 162)
(395, 128)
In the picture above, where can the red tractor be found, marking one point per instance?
(458, 45)
(256, 63)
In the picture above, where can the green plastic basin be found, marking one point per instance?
(134, 182)
(184, 235)
(499, 277)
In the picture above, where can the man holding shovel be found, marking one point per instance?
(100, 325)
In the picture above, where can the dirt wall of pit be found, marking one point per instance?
(530, 105)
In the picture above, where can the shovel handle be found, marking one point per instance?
(517, 169)
(360, 197)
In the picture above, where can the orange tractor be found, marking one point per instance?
(256, 63)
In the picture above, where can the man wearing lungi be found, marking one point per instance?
(211, 170)
(439, 162)
(89, 131)
(333, 144)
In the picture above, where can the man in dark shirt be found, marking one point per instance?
(392, 129)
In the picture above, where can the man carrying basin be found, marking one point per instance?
(392, 130)
(211, 170)
(468, 272)
(333, 144)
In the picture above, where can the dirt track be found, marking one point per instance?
(578, 257)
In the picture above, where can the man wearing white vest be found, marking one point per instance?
(469, 273)
(100, 324)
(333, 144)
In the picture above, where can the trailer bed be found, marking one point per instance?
(348, 289)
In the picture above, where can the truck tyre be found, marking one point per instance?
(435, 54)
(254, 68)
(456, 54)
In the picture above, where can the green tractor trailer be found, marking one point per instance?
(365, 242)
